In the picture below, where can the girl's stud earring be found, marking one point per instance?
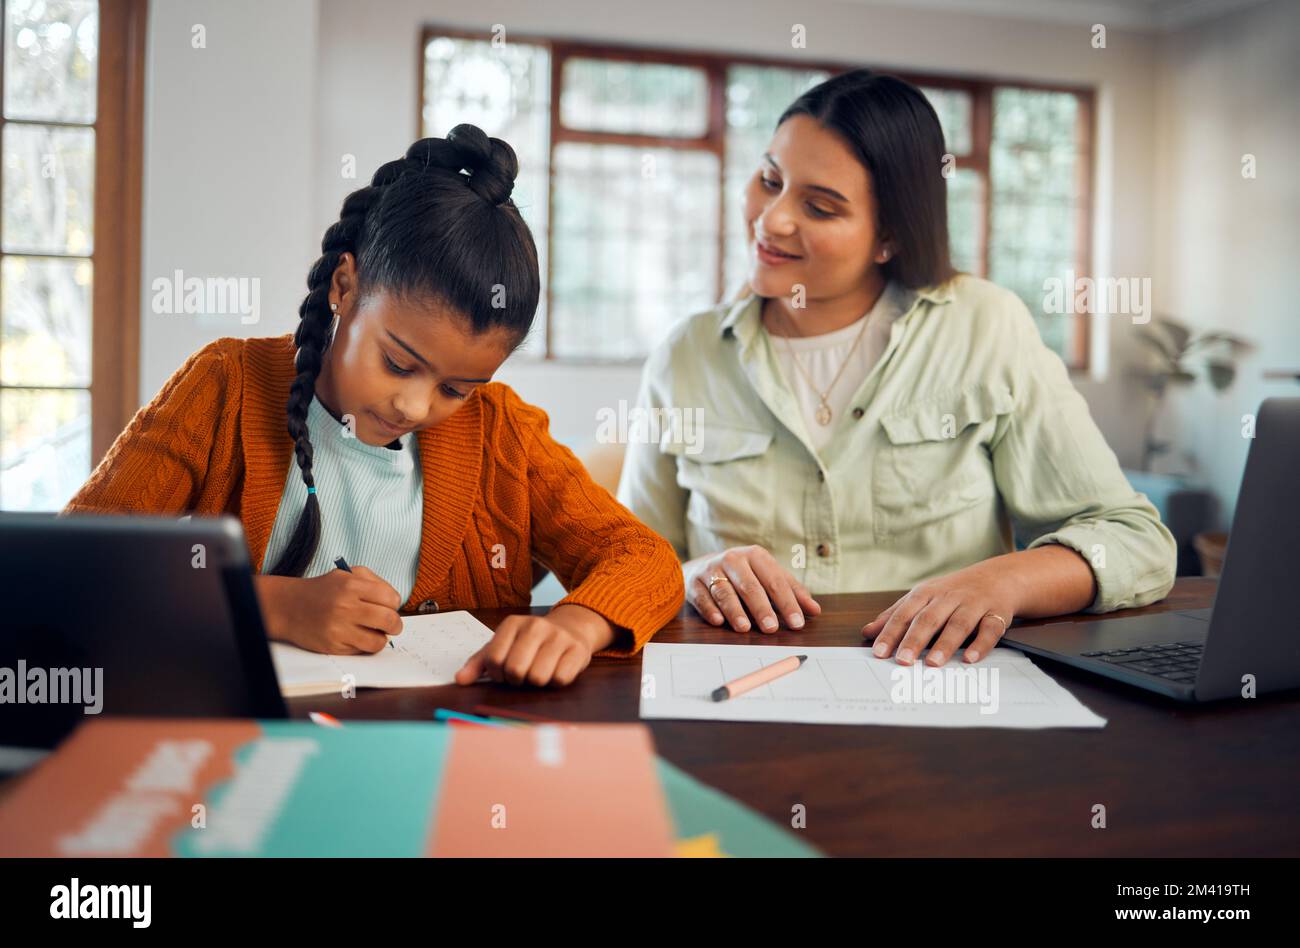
(334, 306)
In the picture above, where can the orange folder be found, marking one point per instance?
(551, 790)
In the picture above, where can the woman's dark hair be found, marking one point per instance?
(435, 225)
(894, 131)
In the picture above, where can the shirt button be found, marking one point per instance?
(858, 413)
(823, 550)
(429, 605)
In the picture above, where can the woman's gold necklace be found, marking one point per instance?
(824, 413)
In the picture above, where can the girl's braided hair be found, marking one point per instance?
(436, 225)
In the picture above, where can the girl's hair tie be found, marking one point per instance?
(311, 490)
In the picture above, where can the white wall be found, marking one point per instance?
(227, 187)
(1225, 245)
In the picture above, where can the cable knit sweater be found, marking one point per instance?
(214, 441)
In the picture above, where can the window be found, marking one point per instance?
(68, 321)
(633, 164)
(506, 91)
(1037, 202)
(1019, 205)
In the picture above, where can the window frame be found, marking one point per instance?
(715, 63)
(114, 389)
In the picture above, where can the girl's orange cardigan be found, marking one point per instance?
(214, 441)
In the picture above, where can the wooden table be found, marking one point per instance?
(1176, 780)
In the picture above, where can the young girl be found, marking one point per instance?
(374, 433)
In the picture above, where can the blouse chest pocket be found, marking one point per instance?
(730, 476)
(934, 462)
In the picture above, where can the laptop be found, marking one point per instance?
(1252, 629)
(125, 615)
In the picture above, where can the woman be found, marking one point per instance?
(874, 420)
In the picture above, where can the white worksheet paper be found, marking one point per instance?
(429, 652)
(852, 686)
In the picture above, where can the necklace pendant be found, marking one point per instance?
(823, 414)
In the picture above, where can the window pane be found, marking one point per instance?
(954, 108)
(44, 447)
(603, 95)
(636, 246)
(49, 196)
(506, 91)
(51, 59)
(44, 321)
(965, 219)
(1035, 201)
(756, 97)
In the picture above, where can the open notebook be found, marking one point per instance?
(429, 651)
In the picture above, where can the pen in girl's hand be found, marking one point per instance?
(341, 563)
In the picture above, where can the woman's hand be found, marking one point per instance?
(540, 650)
(984, 598)
(981, 597)
(339, 613)
(723, 587)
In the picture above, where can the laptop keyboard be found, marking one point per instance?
(1176, 661)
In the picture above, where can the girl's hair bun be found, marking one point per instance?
(491, 163)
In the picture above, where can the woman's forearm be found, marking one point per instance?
(1051, 580)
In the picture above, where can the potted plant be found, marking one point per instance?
(1175, 353)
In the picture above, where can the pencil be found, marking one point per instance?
(734, 689)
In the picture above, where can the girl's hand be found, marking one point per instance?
(747, 578)
(540, 650)
(339, 613)
(984, 597)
